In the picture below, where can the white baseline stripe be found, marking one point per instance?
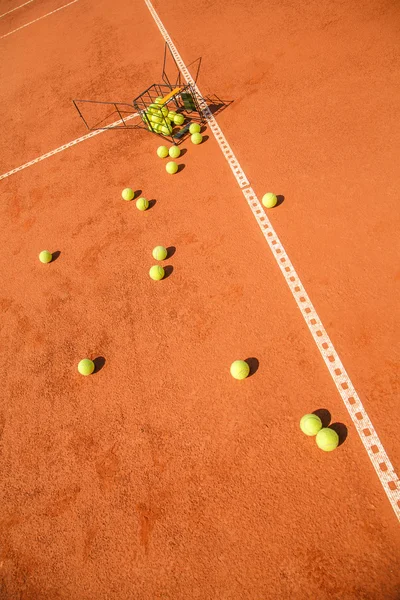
(65, 146)
(357, 412)
(16, 8)
(30, 23)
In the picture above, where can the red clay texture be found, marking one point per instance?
(160, 476)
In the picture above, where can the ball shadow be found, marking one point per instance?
(99, 363)
(151, 204)
(55, 255)
(170, 251)
(205, 138)
(253, 364)
(168, 270)
(137, 194)
(324, 415)
(341, 430)
(280, 198)
(180, 168)
(183, 152)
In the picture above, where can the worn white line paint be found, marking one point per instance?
(16, 8)
(65, 146)
(38, 19)
(357, 412)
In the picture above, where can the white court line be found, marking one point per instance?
(65, 146)
(357, 412)
(30, 23)
(16, 8)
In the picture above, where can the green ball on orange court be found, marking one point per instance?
(162, 151)
(327, 439)
(160, 253)
(156, 273)
(86, 367)
(128, 194)
(142, 204)
(269, 200)
(240, 369)
(194, 128)
(310, 424)
(174, 152)
(179, 119)
(171, 167)
(196, 138)
(45, 256)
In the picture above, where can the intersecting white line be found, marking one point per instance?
(362, 423)
(38, 19)
(65, 146)
(16, 8)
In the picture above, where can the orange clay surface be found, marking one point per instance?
(161, 477)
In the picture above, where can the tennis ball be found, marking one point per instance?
(86, 366)
(310, 424)
(160, 253)
(128, 194)
(158, 99)
(45, 257)
(172, 114)
(174, 152)
(269, 200)
(156, 272)
(166, 129)
(179, 119)
(156, 119)
(327, 439)
(240, 369)
(196, 138)
(194, 128)
(142, 204)
(171, 167)
(165, 110)
(162, 151)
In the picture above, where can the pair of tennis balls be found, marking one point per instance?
(157, 272)
(141, 203)
(326, 438)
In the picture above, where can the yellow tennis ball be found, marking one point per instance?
(156, 272)
(310, 424)
(240, 369)
(45, 256)
(179, 119)
(327, 439)
(156, 119)
(174, 152)
(86, 366)
(128, 194)
(194, 128)
(158, 99)
(160, 253)
(269, 200)
(171, 167)
(172, 114)
(142, 204)
(166, 129)
(162, 151)
(165, 110)
(196, 138)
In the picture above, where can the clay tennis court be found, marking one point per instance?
(160, 476)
